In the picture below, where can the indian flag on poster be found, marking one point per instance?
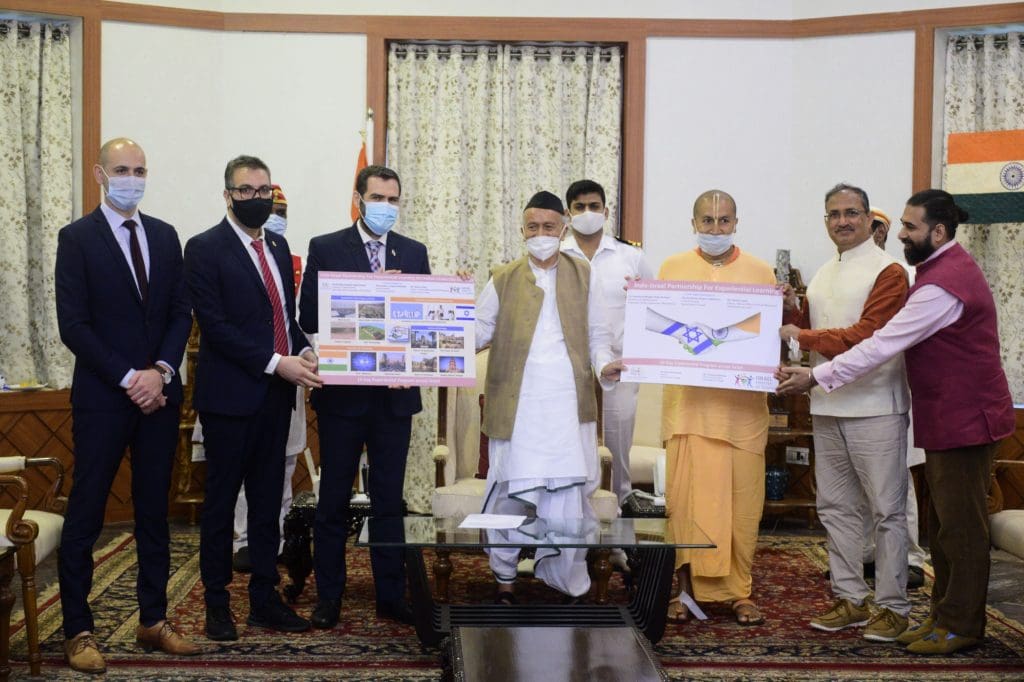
(985, 172)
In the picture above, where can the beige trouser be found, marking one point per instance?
(858, 458)
(720, 488)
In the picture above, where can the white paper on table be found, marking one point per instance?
(492, 521)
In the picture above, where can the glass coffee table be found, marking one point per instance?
(644, 539)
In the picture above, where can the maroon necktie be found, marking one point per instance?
(280, 334)
(138, 263)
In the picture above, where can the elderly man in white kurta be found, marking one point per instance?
(543, 318)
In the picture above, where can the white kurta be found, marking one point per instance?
(549, 467)
(612, 264)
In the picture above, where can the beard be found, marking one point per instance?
(918, 253)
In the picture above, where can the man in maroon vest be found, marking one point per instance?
(962, 409)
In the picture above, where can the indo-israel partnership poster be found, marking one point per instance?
(396, 330)
(708, 334)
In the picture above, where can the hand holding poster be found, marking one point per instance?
(396, 330)
(708, 334)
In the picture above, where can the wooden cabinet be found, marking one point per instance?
(790, 425)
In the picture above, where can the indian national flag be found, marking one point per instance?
(985, 172)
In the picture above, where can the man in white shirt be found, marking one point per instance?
(613, 262)
(541, 411)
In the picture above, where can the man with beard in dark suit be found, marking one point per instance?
(252, 354)
(351, 417)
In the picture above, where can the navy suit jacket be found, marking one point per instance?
(102, 318)
(236, 322)
(344, 251)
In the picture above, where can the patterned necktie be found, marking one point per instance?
(374, 246)
(280, 334)
(138, 263)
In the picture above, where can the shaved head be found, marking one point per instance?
(718, 201)
(117, 143)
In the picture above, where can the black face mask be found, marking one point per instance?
(252, 212)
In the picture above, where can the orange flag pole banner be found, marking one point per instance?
(360, 165)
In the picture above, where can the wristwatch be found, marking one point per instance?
(165, 373)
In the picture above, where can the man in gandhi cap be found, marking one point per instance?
(541, 412)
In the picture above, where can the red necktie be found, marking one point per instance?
(138, 263)
(280, 334)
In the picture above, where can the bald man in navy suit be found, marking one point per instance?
(252, 354)
(123, 312)
(351, 417)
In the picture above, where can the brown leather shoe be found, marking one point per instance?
(165, 637)
(83, 654)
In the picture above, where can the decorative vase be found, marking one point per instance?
(776, 481)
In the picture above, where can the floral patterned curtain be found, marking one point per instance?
(985, 91)
(474, 131)
(37, 197)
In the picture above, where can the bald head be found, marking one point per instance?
(116, 145)
(716, 201)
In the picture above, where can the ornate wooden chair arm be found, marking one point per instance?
(441, 454)
(53, 501)
(19, 530)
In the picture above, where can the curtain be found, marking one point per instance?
(36, 198)
(474, 131)
(985, 91)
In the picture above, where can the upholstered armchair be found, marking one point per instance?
(29, 536)
(647, 443)
(460, 469)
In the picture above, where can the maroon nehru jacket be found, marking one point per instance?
(958, 388)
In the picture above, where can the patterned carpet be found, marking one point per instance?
(789, 586)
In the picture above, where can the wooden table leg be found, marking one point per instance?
(442, 574)
(602, 573)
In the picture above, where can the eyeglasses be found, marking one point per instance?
(247, 192)
(849, 214)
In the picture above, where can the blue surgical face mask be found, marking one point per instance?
(714, 244)
(276, 224)
(125, 191)
(379, 216)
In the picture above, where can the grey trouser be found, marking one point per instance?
(858, 458)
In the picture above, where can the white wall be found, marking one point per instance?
(198, 98)
(717, 116)
(775, 123)
(852, 122)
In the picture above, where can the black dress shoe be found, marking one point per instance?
(325, 615)
(275, 615)
(240, 561)
(220, 624)
(396, 610)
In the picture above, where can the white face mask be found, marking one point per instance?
(588, 222)
(542, 247)
(125, 191)
(714, 244)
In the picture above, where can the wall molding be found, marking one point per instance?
(631, 33)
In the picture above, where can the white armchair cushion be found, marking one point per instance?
(50, 526)
(465, 496)
(1007, 530)
(641, 463)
